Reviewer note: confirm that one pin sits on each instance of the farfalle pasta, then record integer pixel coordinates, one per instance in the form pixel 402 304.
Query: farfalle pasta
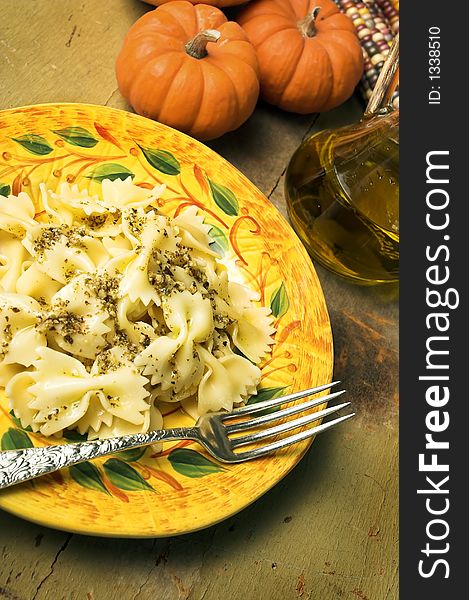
pixel 109 308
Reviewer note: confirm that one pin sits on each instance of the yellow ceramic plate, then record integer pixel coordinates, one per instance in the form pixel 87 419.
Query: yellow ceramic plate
pixel 181 489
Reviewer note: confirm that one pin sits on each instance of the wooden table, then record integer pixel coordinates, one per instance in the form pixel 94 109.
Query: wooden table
pixel 329 529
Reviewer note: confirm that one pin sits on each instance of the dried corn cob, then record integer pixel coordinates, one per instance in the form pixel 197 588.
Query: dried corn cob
pixel 376 22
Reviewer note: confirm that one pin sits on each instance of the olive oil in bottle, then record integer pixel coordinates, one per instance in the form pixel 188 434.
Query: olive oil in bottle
pixel 342 192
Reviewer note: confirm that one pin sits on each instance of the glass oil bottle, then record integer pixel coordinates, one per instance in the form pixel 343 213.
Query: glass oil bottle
pixel 342 190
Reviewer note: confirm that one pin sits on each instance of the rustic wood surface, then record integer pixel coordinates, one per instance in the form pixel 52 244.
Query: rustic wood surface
pixel 329 529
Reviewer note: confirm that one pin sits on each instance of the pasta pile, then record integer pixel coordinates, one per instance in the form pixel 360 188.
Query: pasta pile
pixel 108 309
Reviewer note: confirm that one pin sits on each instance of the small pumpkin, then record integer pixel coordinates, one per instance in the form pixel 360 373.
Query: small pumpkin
pixel 190 68
pixel 310 58
pixel 217 3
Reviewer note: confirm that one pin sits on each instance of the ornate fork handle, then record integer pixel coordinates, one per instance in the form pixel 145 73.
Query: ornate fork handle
pixel 21 465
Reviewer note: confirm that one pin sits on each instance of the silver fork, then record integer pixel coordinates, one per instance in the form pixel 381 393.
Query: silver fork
pixel 213 431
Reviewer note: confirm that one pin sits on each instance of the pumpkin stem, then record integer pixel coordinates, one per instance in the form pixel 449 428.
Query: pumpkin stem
pixel 197 46
pixel 307 25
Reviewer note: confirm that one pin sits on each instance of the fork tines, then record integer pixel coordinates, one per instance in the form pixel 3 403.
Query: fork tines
pixel 289 425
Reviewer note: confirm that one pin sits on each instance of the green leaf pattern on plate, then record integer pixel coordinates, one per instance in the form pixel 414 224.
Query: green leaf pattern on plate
pixel 224 198
pixel 267 393
pixel 125 477
pixel 279 302
pixel 191 463
pixel 15 439
pixel 5 189
pixel 110 171
pixel 17 422
pixel 132 455
pixel 220 243
pixel 35 144
pixel 73 436
pixel 162 160
pixel 77 136
pixel 88 476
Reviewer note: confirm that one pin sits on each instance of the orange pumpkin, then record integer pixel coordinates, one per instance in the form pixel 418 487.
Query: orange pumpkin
pixel 190 68
pixel 310 59
pixel 217 3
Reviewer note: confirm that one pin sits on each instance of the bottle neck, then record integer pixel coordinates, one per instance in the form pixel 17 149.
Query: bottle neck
pixel 381 98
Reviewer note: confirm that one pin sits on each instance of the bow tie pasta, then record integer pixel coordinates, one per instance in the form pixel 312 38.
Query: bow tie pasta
pixel 109 308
